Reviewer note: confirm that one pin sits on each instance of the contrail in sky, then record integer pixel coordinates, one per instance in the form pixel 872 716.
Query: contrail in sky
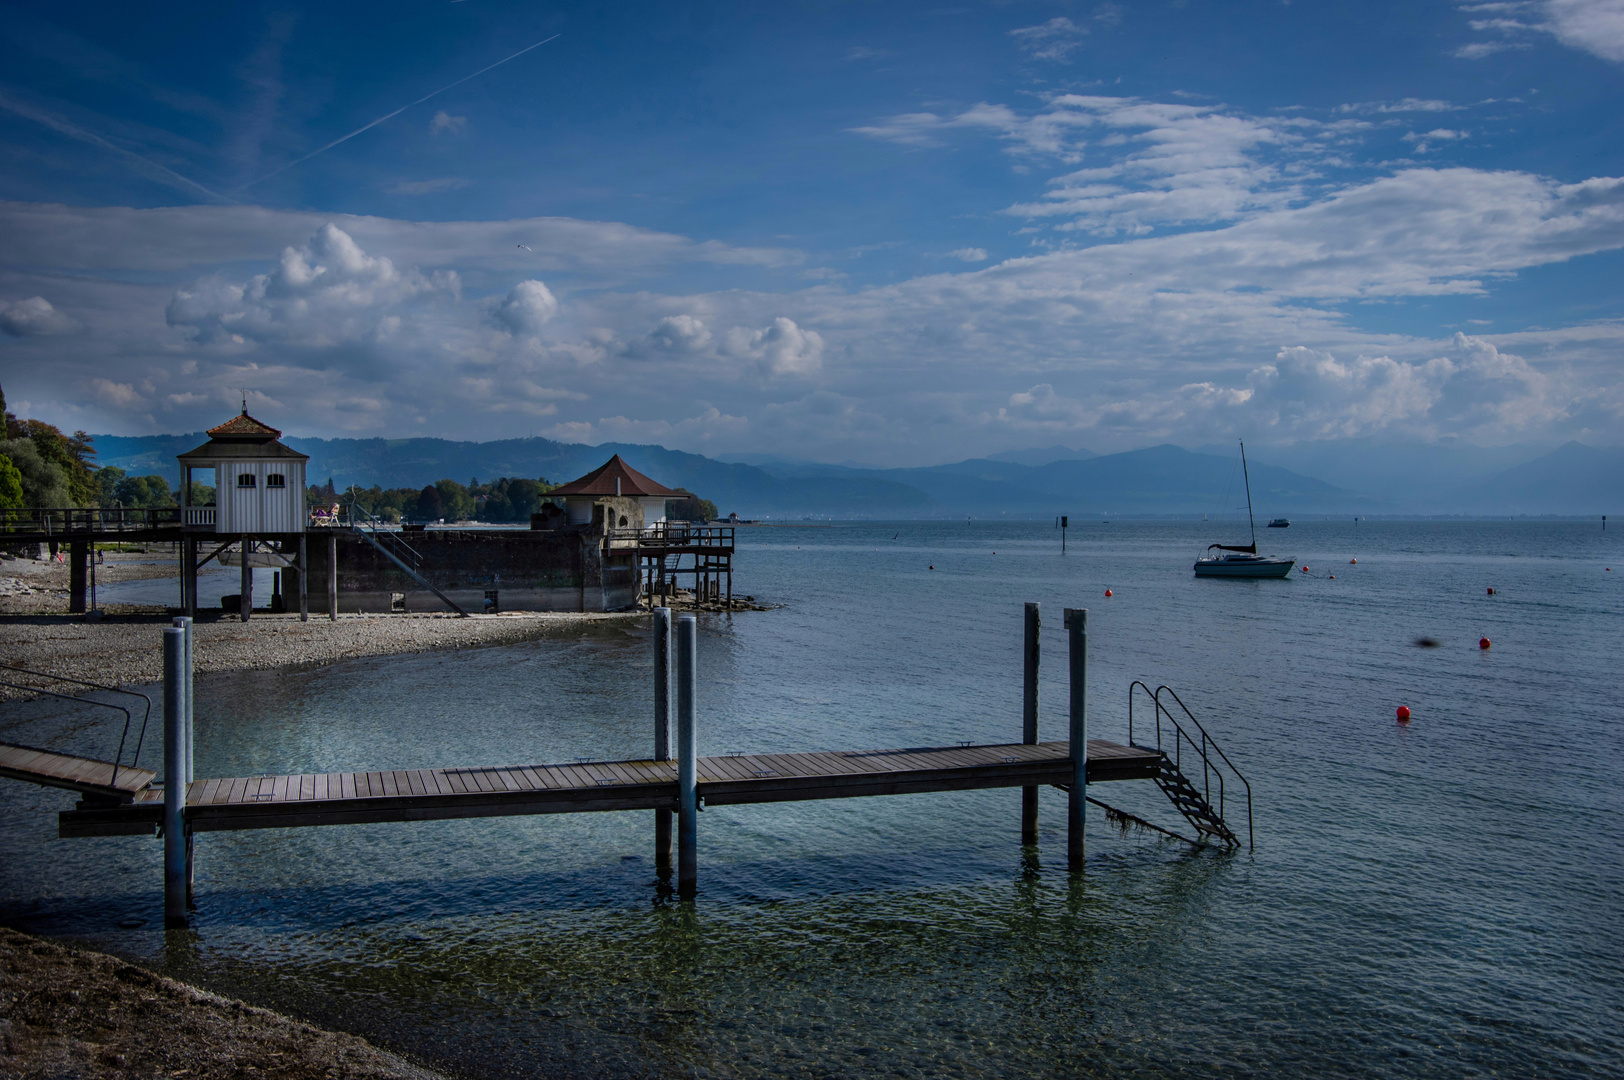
pixel 151 168
pixel 397 112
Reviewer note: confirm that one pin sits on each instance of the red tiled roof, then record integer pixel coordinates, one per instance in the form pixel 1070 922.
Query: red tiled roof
pixel 601 481
pixel 244 427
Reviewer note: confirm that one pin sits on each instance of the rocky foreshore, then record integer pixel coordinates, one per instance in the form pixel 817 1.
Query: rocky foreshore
pixel 70 1012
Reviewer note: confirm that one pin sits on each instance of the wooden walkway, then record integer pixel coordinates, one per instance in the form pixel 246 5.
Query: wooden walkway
pixel 274 802
pixel 86 775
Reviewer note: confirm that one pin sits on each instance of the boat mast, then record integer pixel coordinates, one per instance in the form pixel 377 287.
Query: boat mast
pixel 1248 480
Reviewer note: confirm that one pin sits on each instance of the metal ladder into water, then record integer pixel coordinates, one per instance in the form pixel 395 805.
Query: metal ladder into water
pixel 1200 806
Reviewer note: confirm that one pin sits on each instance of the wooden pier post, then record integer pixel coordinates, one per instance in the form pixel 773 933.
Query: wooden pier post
pixel 1029 722
pixel 246 599
pixel 304 580
pixel 1077 801
pixel 174 777
pixel 77 559
pixel 687 759
pixel 189 570
pixel 662 731
pixel 332 576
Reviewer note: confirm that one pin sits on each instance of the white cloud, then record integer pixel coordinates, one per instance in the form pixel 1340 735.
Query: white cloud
pixel 680 333
pixel 1596 26
pixel 710 425
pixel 325 292
pixel 780 349
pixel 1593 26
pixel 446 124
pixel 1480 50
pixel 1405 105
pixel 969 254
pixel 119 395
pixel 1053 40
pixel 33 317
pixel 529 306
pixel 429 187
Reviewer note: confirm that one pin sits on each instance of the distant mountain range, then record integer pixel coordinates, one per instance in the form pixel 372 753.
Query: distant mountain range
pixel 1359 478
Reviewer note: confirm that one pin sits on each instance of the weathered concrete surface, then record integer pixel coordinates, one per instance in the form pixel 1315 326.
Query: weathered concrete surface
pixel 561 569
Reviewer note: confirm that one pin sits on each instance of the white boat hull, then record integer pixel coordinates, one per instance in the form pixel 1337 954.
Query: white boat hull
pixel 1244 566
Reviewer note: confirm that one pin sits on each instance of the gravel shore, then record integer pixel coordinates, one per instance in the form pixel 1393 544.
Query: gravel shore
pixel 129 649
pixel 70 1012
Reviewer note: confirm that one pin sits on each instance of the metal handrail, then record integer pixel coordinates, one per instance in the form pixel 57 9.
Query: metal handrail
pixel 1206 762
pixel 52 520
pixel 140 739
pixel 88 701
pixel 393 538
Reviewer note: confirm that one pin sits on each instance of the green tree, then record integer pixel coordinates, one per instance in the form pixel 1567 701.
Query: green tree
pixel 71 454
pixel 691 508
pixel 43 481
pixel 11 486
pixel 143 492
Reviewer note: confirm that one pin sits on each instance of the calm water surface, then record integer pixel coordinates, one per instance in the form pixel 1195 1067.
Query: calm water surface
pixel 1437 900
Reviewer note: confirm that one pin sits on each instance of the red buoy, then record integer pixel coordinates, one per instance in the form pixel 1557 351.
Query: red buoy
pixel 1353 562
pixel 933 566
pixel 1491 590
pixel 1107 592
pixel 1404 714
pixel 1305 569
pixel 1333 577
pixel 1483 643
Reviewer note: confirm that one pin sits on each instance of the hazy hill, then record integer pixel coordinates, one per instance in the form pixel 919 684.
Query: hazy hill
pixel 1573 479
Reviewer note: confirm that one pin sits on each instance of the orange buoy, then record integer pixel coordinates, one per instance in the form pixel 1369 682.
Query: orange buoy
pixel 1353 562
pixel 1333 577
pixel 1404 714
pixel 1108 592
pixel 1491 590
pixel 1483 643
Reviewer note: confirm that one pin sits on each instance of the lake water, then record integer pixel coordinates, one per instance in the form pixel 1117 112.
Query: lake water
pixel 1442 899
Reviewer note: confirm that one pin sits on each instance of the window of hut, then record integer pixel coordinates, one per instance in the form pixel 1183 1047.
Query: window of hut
pixel 276 479
pixel 245 479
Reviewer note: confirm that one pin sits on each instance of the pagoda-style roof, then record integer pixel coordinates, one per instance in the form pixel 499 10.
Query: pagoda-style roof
pixel 601 482
pixel 242 437
pixel 244 427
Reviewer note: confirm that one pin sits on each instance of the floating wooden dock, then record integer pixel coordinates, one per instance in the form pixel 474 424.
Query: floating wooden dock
pixel 306 799
pixel 120 800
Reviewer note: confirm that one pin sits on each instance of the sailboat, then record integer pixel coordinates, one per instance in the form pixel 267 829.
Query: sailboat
pixel 1236 561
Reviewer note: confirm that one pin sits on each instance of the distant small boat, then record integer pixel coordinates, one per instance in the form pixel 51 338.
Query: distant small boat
pixel 1280 523
pixel 1244 562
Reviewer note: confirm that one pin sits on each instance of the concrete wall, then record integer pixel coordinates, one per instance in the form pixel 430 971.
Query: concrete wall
pixel 564 569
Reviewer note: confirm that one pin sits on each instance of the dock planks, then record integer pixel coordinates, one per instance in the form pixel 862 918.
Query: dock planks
pixel 86 775
pixel 275 802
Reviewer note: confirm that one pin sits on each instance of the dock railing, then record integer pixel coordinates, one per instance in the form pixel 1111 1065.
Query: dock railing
pixel 1214 762
pixel 97 520
pixel 124 735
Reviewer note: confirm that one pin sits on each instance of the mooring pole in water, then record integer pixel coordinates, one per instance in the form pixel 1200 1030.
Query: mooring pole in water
pixel 1077 800
pixel 174 777
pixel 687 759
pixel 1029 722
pixel 185 623
pixel 662 731
pixel 304 580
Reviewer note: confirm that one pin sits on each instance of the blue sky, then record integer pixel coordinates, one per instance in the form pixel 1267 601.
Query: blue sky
pixel 883 233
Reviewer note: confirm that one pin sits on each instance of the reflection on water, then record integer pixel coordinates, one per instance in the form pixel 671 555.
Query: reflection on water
pixel 1435 900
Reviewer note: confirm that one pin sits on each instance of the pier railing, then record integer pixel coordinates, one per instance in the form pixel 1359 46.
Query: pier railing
pixel 1173 736
pixel 676 534
pixel 55 521
pixel 124 734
